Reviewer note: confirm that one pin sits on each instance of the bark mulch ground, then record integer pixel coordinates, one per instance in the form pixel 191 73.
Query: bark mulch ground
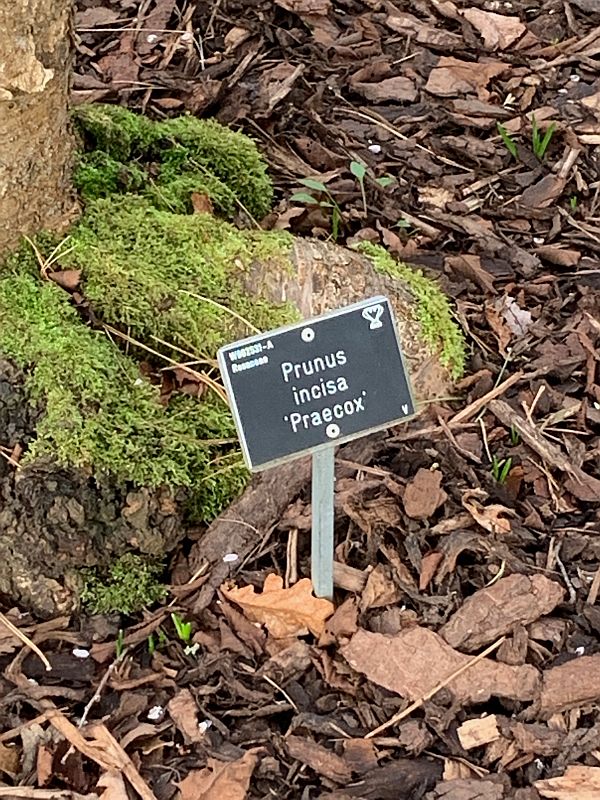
pixel 461 660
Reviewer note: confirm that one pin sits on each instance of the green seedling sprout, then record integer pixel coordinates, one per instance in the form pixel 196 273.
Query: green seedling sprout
pixel 184 629
pixel 359 171
pixel 384 181
pixel 573 202
pixel 509 142
pixel 309 199
pixel 540 143
pixel 501 468
pixel 515 438
pixel 120 644
pixel 151 644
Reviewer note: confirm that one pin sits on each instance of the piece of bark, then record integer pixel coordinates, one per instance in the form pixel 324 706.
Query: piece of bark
pixel 467 789
pixel 570 685
pixel 416 660
pixel 475 732
pixel 401 779
pixel 491 612
pixel 533 737
pixel 424 495
pixel 578 783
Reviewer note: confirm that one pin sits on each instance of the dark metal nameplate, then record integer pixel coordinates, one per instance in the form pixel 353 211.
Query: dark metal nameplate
pixel 319 382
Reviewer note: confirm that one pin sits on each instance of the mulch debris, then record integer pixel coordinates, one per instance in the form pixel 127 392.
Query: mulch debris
pixel 461 658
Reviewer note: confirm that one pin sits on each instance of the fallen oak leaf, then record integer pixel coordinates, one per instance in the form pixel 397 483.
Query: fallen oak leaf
pixel 492 518
pixel 284 612
pixel 220 780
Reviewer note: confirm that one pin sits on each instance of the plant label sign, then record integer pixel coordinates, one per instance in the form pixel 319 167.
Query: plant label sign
pixel 316 383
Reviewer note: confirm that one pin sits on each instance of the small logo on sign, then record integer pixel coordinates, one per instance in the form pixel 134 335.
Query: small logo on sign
pixel 373 316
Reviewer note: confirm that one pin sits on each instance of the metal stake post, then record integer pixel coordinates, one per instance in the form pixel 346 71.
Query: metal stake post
pixel 322 522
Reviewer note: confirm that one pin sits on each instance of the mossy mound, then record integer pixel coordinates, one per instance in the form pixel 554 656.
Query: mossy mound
pixel 168 161
pixel 172 283
pixel 432 307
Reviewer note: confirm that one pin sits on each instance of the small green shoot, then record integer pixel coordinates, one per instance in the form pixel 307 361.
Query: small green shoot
pixel 311 200
pixel 359 171
pixel 509 142
pixel 501 468
pixel 515 437
pixel 384 181
pixel 151 644
pixel 573 202
pixel 120 645
pixel 540 143
pixel 184 629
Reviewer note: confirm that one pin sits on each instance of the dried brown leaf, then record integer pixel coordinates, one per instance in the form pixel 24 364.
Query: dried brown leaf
pixel 284 612
pixel 424 495
pixel 415 660
pixel 497 31
pixel 201 203
pixel 318 758
pixel 492 518
pixel 113 785
pixel 493 611
pixel 467 789
pixel 578 783
pixel 452 77
pixel 380 590
pixel 68 279
pixel 470 267
pixel 220 780
pixel 429 564
pixel 306 7
pixel 394 89
pixel 9 760
pixel 570 685
pixel 183 711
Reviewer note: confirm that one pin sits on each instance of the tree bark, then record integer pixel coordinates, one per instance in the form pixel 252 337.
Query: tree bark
pixel 35 145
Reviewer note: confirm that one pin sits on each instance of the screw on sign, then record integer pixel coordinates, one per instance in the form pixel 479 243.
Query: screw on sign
pixel 308 387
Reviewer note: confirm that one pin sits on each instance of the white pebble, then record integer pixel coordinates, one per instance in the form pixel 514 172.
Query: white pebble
pixel 375 148
pixel 156 713
pixel 81 652
pixel 151 38
pixel 229 558
pixel 538 240
pixel 204 725
pixel 574 78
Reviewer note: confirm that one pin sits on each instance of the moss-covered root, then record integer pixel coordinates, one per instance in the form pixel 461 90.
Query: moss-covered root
pixel 433 310
pixel 168 161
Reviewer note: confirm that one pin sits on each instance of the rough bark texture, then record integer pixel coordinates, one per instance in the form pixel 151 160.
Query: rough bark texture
pixel 54 521
pixel 326 276
pixel 35 146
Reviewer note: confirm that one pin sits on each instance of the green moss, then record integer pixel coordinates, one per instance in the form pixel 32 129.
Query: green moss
pixel 167 161
pixel 160 275
pixel 433 310
pixel 138 266
pixel 131 584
